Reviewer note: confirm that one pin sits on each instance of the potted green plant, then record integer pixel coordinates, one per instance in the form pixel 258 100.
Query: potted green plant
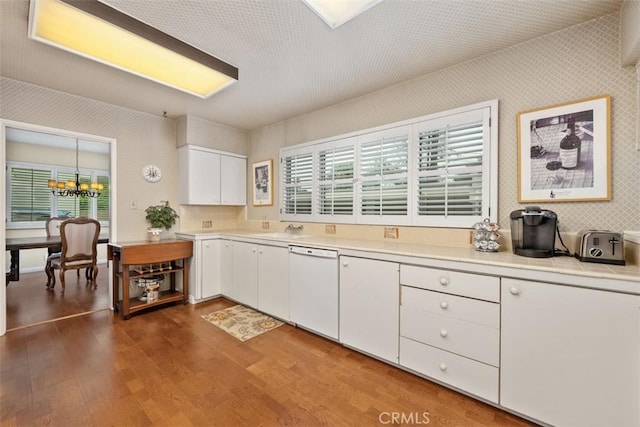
pixel 160 217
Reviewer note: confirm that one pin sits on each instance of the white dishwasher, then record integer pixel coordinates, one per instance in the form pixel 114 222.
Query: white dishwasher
pixel 313 275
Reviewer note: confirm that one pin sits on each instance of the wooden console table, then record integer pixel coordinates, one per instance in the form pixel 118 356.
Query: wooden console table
pixel 136 260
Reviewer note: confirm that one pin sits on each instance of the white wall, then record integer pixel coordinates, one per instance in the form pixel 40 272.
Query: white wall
pixel 630 32
pixel 196 131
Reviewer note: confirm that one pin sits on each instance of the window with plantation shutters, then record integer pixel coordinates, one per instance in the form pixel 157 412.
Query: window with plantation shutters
pixel 450 174
pixel 29 196
pixel 297 187
pixel 383 165
pixel 336 165
pixel 102 203
pixel 438 170
pixel 30 202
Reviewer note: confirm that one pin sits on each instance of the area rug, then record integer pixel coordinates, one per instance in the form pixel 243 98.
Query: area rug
pixel 241 322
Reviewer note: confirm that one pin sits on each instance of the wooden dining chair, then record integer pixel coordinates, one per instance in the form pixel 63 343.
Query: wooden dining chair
pixel 79 249
pixel 52 227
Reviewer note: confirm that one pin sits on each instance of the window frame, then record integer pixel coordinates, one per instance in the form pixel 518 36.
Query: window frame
pixel 53 210
pixel 489 110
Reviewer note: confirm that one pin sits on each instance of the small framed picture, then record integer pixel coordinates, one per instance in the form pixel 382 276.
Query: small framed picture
pixel 263 183
pixel 564 152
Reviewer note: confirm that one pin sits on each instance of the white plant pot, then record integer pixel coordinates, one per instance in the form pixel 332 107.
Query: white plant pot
pixel 154 234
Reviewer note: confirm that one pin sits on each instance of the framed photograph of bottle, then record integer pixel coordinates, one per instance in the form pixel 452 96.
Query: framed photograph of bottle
pixel 564 152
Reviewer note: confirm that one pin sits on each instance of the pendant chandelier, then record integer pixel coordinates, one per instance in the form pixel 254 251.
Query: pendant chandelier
pixel 75 188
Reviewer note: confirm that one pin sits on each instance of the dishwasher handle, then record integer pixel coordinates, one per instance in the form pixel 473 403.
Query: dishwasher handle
pixel 316 252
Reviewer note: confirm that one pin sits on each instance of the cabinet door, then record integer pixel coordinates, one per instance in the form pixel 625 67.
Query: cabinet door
pixel 199 176
pixel 273 281
pixel 570 356
pixel 210 268
pixel 226 268
pixel 233 186
pixel 369 306
pixel 245 273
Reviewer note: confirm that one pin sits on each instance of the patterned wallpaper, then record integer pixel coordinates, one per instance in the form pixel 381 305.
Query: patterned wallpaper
pixel 141 139
pixel 576 63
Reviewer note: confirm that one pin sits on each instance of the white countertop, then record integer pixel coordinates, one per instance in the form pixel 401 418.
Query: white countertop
pixel 501 259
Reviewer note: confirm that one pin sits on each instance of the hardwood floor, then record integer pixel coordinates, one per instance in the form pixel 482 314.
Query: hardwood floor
pixel 170 367
pixel 29 302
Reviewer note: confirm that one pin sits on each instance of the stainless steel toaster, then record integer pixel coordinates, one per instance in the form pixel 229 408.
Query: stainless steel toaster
pixel 600 246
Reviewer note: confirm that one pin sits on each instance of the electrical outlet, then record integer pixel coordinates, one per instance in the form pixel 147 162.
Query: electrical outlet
pixel 391 233
pixel 207 224
pixel 330 229
pixel 265 225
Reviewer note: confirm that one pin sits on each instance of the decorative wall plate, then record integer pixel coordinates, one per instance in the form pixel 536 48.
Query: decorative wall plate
pixel 151 173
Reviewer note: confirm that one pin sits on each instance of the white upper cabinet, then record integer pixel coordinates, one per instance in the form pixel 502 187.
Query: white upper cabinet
pixel 233 177
pixel 210 177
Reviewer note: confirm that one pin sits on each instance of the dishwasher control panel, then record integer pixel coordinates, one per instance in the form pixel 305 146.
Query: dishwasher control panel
pixel 304 250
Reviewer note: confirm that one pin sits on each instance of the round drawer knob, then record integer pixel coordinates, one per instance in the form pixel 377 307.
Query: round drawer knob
pixel 444 305
pixel 443 333
pixel 514 290
pixel 443 367
pixel 444 281
pixel 345 264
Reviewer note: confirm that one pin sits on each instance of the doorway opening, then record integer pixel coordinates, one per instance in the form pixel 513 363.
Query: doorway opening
pixel 28 147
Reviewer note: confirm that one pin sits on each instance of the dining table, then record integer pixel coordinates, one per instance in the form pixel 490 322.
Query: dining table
pixel 16 244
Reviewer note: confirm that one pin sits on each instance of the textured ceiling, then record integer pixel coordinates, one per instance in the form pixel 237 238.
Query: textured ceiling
pixel 290 62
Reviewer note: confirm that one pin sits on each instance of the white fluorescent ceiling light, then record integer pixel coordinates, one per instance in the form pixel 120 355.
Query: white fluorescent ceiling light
pixel 337 12
pixel 94 30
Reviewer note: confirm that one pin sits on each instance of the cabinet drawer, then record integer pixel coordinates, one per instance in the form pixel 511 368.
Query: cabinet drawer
pixel 472 310
pixel 467 339
pixel 452 282
pixel 457 371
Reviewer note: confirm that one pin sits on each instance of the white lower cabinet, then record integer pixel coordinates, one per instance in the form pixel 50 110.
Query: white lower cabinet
pixel 459 325
pixel 245 273
pixel 204 270
pixel 273 281
pixel 369 305
pixel 570 356
pixel 226 267
pixel 461 372
pixel 210 281
pixel 450 328
pixel 261 278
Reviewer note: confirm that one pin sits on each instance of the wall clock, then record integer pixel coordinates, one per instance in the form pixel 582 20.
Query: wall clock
pixel 151 173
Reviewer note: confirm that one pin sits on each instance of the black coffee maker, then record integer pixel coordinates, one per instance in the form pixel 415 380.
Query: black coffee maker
pixel 533 232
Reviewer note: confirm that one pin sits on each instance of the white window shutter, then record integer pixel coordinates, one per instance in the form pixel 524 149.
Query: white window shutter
pixel 297 184
pixel 383 164
pixel 450 178
pixel 336 175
